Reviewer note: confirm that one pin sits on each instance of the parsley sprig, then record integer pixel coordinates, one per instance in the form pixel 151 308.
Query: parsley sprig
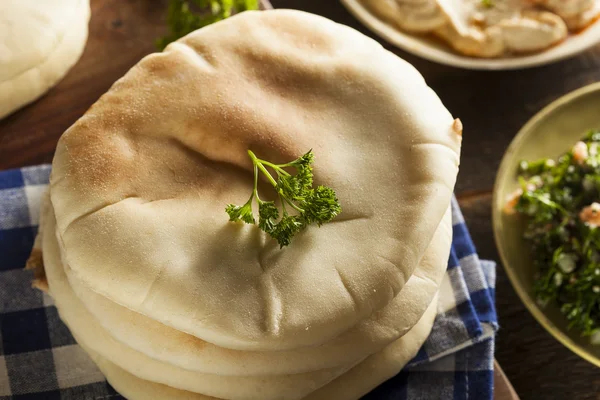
pixel 185 16
pixel 301 204
pixel 565 249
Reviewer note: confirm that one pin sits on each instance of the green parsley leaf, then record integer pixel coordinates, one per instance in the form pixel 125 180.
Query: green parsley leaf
pixel 268 216
pixel 240 213
pixel 185 16
pixel 320 205
pixel 285 230
pixel 307 205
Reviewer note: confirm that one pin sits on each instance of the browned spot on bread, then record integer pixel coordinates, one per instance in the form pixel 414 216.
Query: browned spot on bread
pixel 457 127
pixel 35 262
pixel 40 284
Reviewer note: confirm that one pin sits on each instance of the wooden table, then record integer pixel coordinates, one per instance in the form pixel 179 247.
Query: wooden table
pixel 492 106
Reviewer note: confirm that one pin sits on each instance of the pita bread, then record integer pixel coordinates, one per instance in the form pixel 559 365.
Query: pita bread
pixel 397 355
pixel 39 42
pixel 369 336
pixel 380 366
pixel 140 182
pixel 88 332
pixel 134 388
pixel 356 383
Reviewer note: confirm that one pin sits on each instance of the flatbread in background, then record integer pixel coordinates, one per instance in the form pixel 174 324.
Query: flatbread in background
pixel 39 42
pixel 140 182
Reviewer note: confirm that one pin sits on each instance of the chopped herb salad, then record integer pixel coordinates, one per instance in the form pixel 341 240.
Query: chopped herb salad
pixel 561 200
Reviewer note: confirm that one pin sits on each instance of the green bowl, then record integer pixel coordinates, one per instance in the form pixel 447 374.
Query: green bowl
pixel 550 133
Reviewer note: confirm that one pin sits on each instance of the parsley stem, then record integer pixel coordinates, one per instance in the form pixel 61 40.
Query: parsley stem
pixel 268 175
pixel 281 198
pixel 255 192
pixel 319 205
pixel 295 207
pixel 276 167
pixel 258 163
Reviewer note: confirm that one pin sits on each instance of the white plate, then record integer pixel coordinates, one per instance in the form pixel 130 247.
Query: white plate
pixel 435 50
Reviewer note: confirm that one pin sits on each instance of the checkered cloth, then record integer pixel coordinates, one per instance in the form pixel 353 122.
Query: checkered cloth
pixel 39 358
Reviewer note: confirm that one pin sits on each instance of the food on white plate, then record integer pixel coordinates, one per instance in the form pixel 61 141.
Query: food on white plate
pixel 561 202
pixel 577 14
pixel 490 28
pixel 39 43
pixel 419 16
pixel 184 245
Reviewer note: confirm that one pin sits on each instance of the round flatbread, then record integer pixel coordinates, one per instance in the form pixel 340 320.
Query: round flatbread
pixel 139 183
pixel 367 337
pixel 87 331
pixel 350 386
pixel 134 388
pixel 39 42
pixel 380 366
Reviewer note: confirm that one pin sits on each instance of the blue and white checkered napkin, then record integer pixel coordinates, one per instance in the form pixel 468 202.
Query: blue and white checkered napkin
pixel 40 360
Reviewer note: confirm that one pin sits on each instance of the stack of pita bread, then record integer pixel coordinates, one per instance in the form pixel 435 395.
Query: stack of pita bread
pixel 39 42
pixel 170 299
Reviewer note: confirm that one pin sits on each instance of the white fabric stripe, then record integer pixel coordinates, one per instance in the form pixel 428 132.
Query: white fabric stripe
pixel 444 364
pixel 488 332
pixel 489 270
pixel 459 286
pixel 48 301
pixel 457 217
pixel 13 210
pixel 473 275
pixel 34 195
pixel 36 175
pixel 74 367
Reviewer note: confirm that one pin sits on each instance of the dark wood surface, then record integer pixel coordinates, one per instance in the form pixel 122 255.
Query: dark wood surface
pixel 492 106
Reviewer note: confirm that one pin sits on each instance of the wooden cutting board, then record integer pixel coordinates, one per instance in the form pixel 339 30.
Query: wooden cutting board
pixel 503 389
pixel 121 33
